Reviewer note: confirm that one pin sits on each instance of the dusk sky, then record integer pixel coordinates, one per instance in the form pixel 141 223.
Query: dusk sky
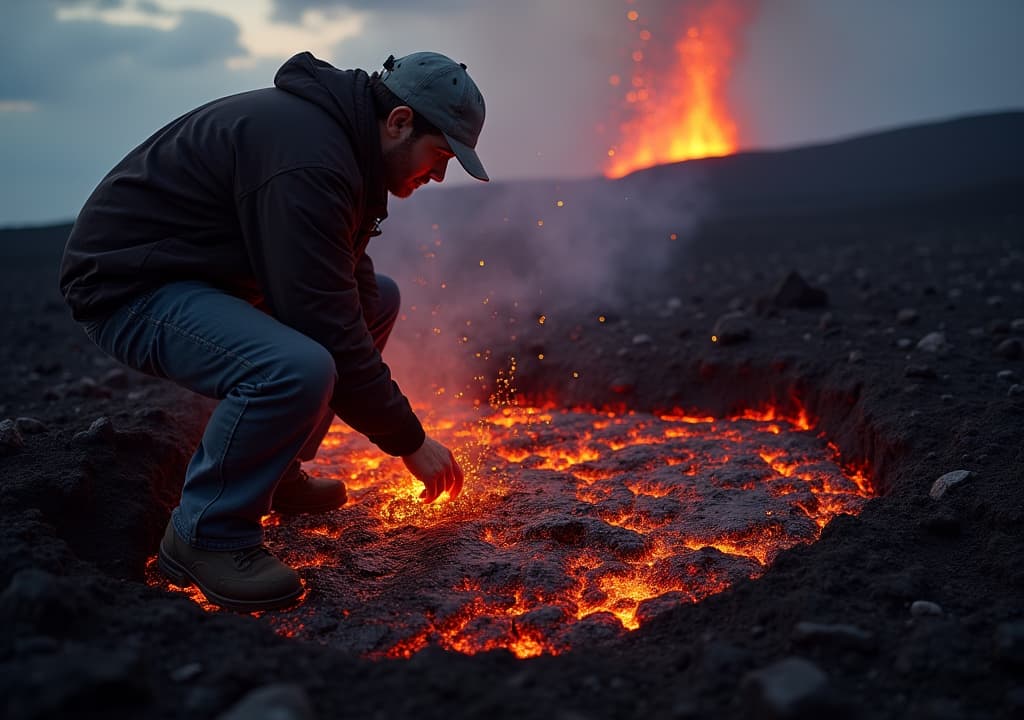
pixel 84 81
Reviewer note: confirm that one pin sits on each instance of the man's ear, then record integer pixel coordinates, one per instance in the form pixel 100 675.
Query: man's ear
pixel 398 126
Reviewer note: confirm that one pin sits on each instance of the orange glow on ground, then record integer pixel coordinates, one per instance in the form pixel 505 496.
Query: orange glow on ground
pixel 598 519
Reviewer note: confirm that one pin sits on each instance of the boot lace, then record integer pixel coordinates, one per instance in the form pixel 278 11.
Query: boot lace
pixel 245 558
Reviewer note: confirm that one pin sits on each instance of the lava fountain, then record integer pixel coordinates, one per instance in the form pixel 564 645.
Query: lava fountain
pixel 575 525
pixel 677 111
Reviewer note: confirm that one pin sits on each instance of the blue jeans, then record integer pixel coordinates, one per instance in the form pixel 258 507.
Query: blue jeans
pixel 274 385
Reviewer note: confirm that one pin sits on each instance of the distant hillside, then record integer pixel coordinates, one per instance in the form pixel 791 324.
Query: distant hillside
pixel 26 247
pixel 882 168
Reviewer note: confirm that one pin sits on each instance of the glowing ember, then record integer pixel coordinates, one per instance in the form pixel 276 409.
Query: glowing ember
pixel 574 525
pixel 678 112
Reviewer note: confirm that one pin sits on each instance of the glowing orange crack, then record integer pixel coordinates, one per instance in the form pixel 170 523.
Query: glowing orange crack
pixel 496 447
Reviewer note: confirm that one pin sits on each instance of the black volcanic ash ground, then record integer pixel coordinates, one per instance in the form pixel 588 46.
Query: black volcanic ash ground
pixel 83 508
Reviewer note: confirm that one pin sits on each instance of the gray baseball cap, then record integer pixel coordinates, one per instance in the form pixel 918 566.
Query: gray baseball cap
pixel 440 89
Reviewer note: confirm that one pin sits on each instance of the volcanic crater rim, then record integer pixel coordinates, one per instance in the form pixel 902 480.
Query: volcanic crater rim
pixel 791 395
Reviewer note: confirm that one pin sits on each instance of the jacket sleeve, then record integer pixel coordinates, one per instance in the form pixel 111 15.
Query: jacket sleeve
pixel 366 277
pixel 299 229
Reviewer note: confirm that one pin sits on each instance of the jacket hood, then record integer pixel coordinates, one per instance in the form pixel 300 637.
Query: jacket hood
pixel 345 95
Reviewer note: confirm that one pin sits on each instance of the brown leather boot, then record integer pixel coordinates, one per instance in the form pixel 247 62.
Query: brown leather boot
pixel 299 492
pixel 245 580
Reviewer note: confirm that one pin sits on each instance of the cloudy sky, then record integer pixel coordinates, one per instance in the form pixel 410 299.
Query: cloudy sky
pixel 83 81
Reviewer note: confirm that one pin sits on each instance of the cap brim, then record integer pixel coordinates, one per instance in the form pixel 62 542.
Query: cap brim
pixel 467 158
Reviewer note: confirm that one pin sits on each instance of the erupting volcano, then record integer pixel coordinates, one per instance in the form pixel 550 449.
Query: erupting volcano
pixel 574 526
pixel 676 108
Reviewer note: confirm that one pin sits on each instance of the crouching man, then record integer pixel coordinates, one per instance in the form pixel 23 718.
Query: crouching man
pixel 227 253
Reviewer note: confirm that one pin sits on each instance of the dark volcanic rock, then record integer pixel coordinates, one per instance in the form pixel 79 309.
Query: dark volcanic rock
pixel 947 482
pixel 1011 349
pixel 907 316
pixel 589 532
pixel 933 342
pixel 836 636
pixel 795 292
pixel 29 426
pixel 101 432
pixel 925 608
pixel 11 440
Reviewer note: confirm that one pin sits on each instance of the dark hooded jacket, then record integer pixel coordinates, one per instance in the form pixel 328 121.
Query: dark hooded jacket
pixel 271 195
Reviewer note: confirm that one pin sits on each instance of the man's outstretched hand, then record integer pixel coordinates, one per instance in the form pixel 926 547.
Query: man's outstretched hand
pixel 435 466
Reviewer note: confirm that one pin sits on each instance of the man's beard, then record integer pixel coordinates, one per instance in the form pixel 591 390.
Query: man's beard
pixel 397 162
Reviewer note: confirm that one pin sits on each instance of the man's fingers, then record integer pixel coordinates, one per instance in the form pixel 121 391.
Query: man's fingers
pixel 435 486
pixel 446 476
pixel 456 488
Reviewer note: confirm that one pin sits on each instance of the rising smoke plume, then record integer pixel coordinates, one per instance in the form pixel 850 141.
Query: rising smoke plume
pixel 478 265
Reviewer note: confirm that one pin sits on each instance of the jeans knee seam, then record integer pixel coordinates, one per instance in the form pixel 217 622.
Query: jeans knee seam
pixel 222 455
pixel 157 322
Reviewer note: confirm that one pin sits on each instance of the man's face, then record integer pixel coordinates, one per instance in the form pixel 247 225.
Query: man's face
pixel 414 162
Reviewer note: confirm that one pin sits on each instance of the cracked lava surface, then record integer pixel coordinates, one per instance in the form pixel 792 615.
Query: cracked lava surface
pixel 574 526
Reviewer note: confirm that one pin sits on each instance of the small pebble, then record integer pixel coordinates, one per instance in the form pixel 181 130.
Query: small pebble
pixel 948 481
pixel 907 316
pixel 856 357
pixel 904 344
pixel 1007 376
pixel 29 426
pixel 642 339
pixel 924 608
pixel 1010 349
pixel 187 672
pixel 10 439
pixel 932 342
pixel 1015 390
pixel 101 431
pixel 837 634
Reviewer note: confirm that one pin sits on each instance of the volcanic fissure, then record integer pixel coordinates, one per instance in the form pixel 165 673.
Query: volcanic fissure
pixel 577 525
